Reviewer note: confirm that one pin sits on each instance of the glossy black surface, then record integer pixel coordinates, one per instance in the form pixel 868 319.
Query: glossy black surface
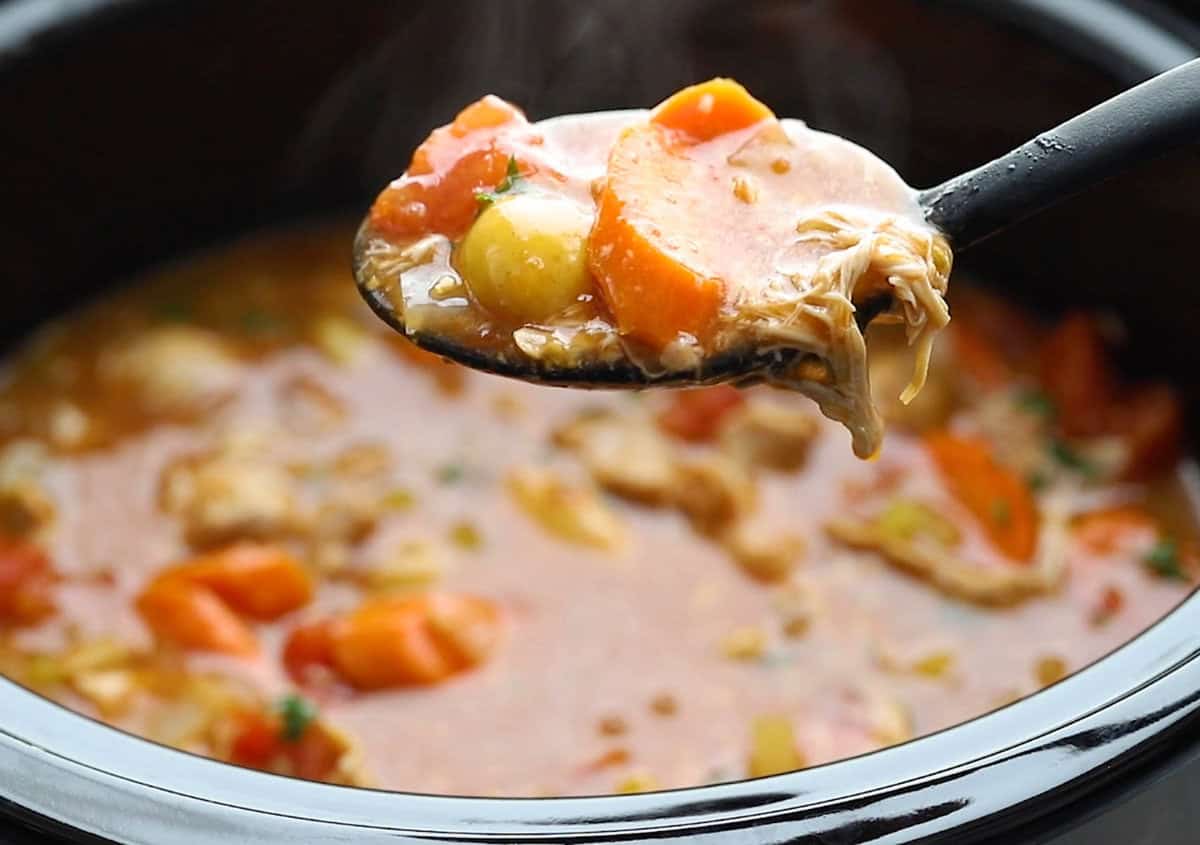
pixel 135 130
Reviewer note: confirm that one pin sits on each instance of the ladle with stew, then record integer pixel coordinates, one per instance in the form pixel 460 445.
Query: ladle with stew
pixel 706 240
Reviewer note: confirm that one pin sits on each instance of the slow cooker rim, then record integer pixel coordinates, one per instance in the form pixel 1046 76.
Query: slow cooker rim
pixel 153 785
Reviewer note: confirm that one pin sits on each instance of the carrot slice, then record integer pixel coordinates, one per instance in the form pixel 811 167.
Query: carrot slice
pixel 995 496
pixel 395 642
pixel 437 192
pixel 697 415
pixel 256 742
pixel 702 112
pixel 668 209
pixel 193 617
pixel 654 291
pixel 257 580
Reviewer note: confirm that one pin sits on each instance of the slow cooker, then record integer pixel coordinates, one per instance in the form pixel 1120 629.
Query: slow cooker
pixel 134 130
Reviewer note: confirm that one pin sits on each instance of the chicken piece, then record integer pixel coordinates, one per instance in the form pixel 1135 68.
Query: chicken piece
pixel 571 512
pixel 174 370
pixel 945 571
pixel 222 498
pixel 767 557
pixel 714 492
pixel 627 456
pixel 769 434
pixel 890 373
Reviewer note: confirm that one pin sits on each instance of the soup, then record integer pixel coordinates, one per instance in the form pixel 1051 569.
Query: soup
pixel 243 518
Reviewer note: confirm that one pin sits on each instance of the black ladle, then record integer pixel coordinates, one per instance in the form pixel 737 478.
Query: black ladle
pixel 1141 123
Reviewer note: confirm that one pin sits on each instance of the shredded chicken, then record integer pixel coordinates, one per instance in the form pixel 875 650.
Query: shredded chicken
pixel 816 311
pixel 938 564
pixel 174 370
pixel 572 512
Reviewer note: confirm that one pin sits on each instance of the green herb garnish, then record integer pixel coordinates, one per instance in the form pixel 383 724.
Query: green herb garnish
pixel 1037 481
pixel 451 473
pixel 1001 511
pixel 1071 459
pixel 511 183
pixel 1164 560
pixel 296 713
pixel 1038 402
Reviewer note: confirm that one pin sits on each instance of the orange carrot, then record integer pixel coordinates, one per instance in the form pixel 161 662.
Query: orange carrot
pixel 393 642
pixel 651 248
pixel 653 291
pixel 995 496
pixel 255 740
pixel 437 192
pixel 257 580
pixel 702 112
pixel 26 580
pixel 193 617
pixel 697 415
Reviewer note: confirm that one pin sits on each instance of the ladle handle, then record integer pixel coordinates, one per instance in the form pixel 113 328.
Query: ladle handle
pixel 1138 124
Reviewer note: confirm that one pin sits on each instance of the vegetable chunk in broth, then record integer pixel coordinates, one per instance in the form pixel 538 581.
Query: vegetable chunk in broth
pixel 676 243
pixel 241 517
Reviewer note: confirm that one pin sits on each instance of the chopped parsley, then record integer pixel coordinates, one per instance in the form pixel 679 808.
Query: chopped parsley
pixel 1037 481
pixel 1037 402
pixel 296 713
pixel 1001 511
pixel 1066 455
pixel 511 183
pixel 451 473
pixel 1164 560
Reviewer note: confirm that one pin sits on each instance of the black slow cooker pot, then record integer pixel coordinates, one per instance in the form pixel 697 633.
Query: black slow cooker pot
pixel 135 130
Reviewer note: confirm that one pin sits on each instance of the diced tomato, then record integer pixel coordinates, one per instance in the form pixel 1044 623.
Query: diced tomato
pixel 698 414
pixel 308 646
pixel 256 740
pixel 26 583
pixel 1076 373
pixel 998 498
pixel 438 191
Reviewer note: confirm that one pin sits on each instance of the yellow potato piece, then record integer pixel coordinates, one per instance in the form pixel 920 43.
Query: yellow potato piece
pixel 525 257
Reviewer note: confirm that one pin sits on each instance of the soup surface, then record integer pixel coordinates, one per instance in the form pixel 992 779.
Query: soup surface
pixel 241 517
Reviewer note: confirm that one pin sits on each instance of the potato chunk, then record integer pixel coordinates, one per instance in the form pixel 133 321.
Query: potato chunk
pixel 525 257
